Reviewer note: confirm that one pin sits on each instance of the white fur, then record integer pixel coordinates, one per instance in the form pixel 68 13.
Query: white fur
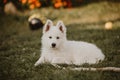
pixel 65 51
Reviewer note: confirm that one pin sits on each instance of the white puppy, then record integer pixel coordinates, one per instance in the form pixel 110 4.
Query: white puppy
pixel 56 49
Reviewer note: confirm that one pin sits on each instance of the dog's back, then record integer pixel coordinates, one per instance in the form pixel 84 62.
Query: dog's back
pixel 84 52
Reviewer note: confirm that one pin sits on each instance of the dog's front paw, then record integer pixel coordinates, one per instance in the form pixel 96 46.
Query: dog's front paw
pixel 40 61
pixel 36 64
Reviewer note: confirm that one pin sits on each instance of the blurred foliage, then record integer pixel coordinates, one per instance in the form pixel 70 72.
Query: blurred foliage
pixel 32 4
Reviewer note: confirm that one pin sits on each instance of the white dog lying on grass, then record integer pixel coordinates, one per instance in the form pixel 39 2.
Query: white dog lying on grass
pixel 56 49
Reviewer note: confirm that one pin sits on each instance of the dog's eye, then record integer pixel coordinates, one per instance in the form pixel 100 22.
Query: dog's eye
pixel 50 37
pixel 57 37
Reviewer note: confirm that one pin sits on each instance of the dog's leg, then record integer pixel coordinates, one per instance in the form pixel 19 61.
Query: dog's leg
pixel 56 66
pixel 40 61
pixel 58 60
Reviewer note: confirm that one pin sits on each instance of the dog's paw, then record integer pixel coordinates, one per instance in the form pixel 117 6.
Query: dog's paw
pixel 36 64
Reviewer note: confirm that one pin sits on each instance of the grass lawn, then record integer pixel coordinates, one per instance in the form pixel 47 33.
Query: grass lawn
pixel 20 47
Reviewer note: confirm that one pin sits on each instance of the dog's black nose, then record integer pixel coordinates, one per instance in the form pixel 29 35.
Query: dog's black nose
pixel 53 45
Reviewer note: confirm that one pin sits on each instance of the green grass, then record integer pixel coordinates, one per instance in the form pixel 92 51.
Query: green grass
pixel 20 47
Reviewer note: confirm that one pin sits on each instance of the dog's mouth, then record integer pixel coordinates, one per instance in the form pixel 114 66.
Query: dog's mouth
pixel 54 48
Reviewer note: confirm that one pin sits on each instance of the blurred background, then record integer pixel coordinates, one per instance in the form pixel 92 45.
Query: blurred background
pixel 21 22
pixel 82 11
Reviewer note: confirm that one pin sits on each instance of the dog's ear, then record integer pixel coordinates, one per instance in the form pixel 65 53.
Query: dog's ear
pixel 61 26
pixel 47 26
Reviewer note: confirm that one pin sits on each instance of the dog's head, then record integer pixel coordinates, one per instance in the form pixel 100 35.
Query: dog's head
pixel 53 36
